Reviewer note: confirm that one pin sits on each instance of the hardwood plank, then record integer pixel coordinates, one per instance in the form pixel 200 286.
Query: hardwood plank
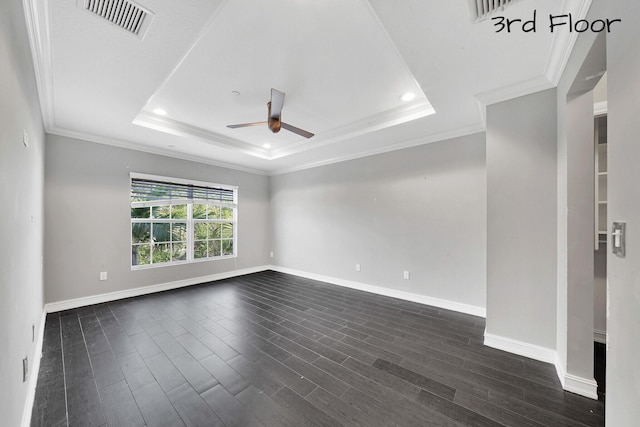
pixel 256 375
pixel 106 369
pixel 199 378
pixel 278 350
pixel 287 398
pixel 319 377
pixel 420 381
pixel 266 410
pixel 229 409
pixel 135 371
pixel 83 403
pixel 120 408
pixel 165 373
pixel 156 408
pixel 455 411
pixel 192 409
pixel 225 374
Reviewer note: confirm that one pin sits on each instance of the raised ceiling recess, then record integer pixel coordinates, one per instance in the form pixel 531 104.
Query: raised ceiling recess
pixel 345 67
pixel 341 72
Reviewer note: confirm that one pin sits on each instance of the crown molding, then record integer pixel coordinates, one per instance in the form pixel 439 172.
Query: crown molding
pixel 443 136
pixel 395 116
pixel 151 150
pixel 392 117
pixel 38 28
pixel 184 130
pixel 561 48
pixel 564 41
pixel 515 90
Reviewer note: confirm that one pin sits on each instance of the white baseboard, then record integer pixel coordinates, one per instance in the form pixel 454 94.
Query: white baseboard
pixel 600 336
pixel 586 387
pixel 521 348
pixel 53 307
pixel 407 296
pixel 33 376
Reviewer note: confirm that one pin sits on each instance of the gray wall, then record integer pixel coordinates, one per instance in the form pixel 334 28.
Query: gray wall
pixel 21 193
pixel 575 210
pixel 579 207
pixel 623 64
pixel 87 227
pixel 580 234
pixel 521 219
pixel 421 209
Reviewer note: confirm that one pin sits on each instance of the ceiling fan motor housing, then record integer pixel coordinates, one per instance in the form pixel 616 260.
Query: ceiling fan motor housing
pixel 274 122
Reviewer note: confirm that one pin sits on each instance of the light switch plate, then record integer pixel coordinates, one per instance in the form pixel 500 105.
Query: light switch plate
pixel 618 237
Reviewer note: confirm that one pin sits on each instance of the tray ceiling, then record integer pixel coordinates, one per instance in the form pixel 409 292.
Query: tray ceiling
pixel 344 67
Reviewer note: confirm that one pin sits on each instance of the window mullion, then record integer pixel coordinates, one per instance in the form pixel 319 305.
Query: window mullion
pixel 190 232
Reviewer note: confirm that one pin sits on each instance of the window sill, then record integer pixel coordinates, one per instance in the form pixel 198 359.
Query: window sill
pixel 175 263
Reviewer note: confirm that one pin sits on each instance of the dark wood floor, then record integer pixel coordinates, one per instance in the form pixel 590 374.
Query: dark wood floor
pixel 277 350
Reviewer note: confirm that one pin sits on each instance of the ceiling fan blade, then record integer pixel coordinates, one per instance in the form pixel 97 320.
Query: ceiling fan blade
pixel 294 129
pixel 246 125
pixel 277 101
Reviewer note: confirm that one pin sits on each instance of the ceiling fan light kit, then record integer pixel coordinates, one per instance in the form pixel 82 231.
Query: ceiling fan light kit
pixel 274 117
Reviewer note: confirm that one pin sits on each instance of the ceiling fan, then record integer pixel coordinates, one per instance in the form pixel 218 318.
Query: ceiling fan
pixel 274 117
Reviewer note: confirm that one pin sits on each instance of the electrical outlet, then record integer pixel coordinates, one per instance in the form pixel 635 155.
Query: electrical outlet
pixel 33 333
pixel 271 254
pixel 357 267
pixel 406 275
pixel 25 369
pixel 103 275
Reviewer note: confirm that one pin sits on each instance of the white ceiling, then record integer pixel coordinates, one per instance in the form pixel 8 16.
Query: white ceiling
pixel 342 64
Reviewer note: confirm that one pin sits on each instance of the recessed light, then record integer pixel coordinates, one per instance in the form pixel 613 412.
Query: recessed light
pixel 235 92
pixel 408 96
pixel 266 145
pixel 160 111
pixel 171 146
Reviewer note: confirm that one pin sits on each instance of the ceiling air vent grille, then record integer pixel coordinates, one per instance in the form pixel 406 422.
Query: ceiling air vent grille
pixel 481 9
pixel 122 13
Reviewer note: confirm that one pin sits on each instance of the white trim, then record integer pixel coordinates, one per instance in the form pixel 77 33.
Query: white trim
pixel 600 108
pixel 521 348
pixel 600 336
pixel 515 90
pixel 560 372
pixel 33 376
pixel 393 293
pixel 586 387
pixel 564 41
pixel 129 145
pixel 456 133
pixel 53 307
pixel 37 16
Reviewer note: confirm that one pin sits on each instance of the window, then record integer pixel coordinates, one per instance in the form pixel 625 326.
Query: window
pixel 176 221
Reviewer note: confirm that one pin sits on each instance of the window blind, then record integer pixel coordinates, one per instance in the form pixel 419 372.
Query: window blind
pixel 146 190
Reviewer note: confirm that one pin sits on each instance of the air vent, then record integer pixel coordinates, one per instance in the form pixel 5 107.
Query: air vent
pixel 481 9
pixel 121 13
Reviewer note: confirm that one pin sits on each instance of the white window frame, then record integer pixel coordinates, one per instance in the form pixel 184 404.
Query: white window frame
pixel 190 221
